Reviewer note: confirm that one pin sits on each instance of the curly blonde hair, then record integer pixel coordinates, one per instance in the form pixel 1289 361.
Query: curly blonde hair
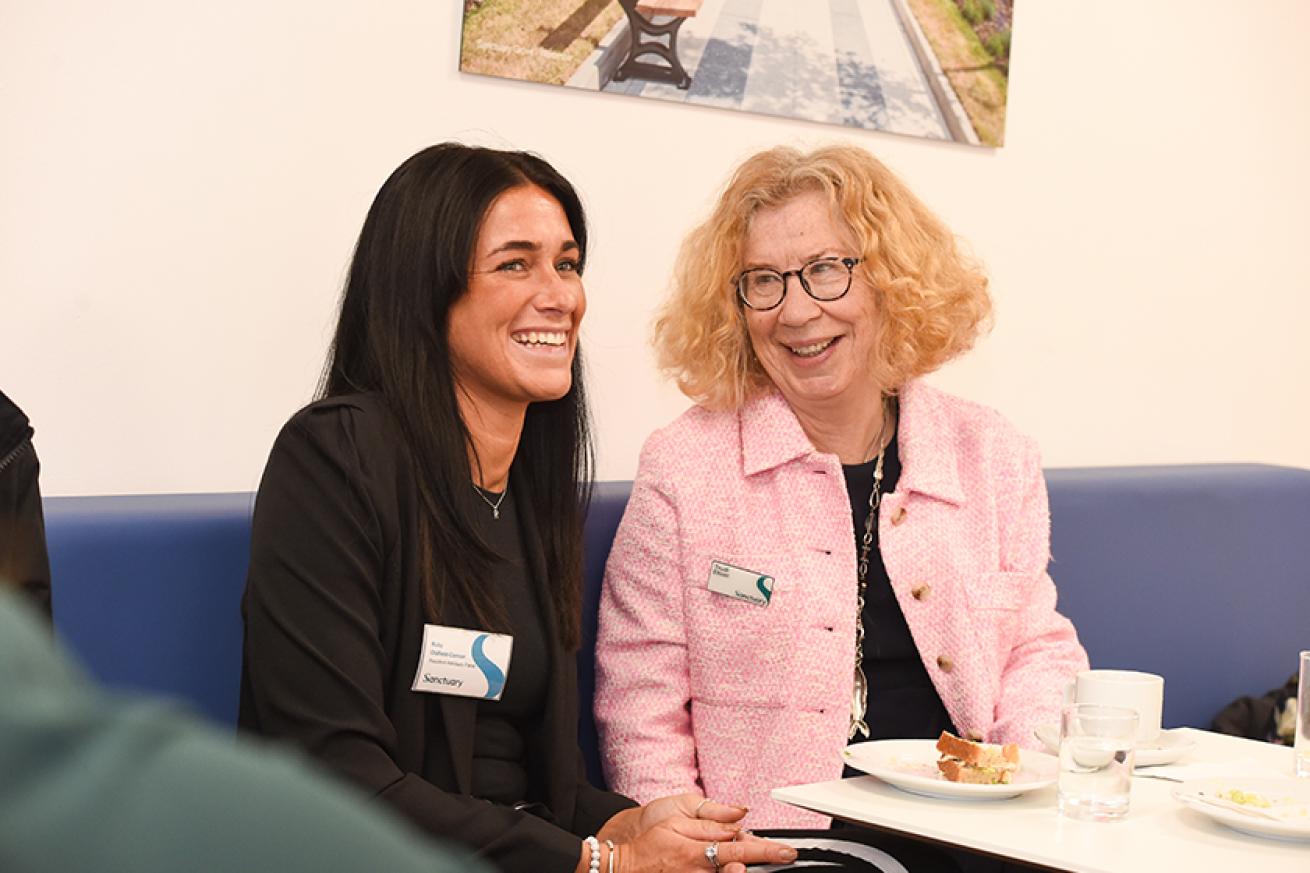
pixel 933 300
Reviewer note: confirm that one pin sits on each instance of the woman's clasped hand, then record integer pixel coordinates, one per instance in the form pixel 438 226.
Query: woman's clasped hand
pixel 685 832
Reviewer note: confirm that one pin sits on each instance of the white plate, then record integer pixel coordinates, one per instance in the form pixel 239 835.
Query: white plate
pixel 1167 748
pixel 911 765
pixel 1291 795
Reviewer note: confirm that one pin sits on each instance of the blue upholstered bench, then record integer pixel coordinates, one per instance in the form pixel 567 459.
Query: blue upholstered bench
pixel 1199 573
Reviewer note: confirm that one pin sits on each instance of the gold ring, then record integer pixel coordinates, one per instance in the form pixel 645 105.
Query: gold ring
pixel 704 801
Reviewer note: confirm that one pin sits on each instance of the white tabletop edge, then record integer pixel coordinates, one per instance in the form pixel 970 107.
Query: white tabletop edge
pixel 848 799
pixel 1158 833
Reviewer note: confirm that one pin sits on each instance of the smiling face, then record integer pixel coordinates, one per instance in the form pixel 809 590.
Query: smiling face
pixel 817 353
pixel 513 334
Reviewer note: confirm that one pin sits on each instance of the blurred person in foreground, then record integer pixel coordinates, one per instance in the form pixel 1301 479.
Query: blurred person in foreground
pixel 92 782
pixel 824 549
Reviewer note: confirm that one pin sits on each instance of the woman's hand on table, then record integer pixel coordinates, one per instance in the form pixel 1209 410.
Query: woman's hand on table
pixel 632 823
pixel 672 834
pixel 679 843
pixel 689 806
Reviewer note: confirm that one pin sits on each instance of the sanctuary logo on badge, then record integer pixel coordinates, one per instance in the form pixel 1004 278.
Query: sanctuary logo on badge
pixel 468 663
pixel 740 584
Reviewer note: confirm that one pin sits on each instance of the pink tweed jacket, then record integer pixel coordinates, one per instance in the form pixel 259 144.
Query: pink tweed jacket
pixel 698 692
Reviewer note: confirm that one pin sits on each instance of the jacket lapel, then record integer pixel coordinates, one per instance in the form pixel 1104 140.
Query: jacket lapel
pixel 770 434
pixel 930 462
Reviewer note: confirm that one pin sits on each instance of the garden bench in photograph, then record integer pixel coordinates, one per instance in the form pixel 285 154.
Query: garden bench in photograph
pixel 646 39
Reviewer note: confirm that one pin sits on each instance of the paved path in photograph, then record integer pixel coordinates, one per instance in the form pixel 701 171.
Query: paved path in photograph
pixel 836 61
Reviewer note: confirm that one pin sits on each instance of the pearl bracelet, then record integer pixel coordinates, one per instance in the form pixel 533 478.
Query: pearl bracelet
pixel 593 846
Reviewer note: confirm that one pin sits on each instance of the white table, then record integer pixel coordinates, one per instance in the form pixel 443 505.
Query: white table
pixel 1159 834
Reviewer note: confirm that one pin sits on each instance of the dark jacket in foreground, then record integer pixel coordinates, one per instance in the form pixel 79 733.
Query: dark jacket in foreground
pixel 334 625
pixel 23 560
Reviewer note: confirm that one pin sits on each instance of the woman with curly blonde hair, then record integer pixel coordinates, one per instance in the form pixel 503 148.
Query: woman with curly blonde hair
pixel 746 636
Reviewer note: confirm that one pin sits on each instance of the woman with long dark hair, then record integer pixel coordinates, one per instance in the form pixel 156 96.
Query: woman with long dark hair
pixel 413 600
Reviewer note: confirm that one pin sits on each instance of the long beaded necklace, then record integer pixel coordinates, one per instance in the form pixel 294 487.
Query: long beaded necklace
pixel 860 691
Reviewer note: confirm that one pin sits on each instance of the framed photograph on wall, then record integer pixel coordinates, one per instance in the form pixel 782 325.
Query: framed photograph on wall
pixel 929 68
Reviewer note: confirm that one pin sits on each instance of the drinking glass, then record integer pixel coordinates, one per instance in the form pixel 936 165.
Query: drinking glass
pixel 1097 747
pixel 1302 743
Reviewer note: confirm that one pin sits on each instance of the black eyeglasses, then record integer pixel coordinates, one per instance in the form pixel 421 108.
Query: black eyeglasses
pixel 824 279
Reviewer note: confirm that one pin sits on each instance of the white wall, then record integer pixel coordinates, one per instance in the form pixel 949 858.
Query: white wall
pixel 180 186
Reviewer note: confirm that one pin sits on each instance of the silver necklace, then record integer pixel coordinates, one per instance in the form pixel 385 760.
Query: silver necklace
pixel 860 691
pixel 495 507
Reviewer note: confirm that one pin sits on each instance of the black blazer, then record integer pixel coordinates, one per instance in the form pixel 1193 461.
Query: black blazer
pixel 334 628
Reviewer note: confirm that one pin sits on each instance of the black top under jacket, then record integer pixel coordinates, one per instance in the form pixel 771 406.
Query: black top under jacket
pixel 500 738
pixel 334 626
pixel 903 703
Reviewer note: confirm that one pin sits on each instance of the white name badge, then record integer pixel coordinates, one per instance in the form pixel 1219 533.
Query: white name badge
pixel 740 584
pixel 468 663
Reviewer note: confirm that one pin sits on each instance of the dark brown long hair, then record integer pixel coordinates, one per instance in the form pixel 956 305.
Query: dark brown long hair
pixel 411 264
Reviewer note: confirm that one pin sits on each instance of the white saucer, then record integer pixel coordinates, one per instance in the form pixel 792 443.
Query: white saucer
pixel 911 765
pixel 1166 749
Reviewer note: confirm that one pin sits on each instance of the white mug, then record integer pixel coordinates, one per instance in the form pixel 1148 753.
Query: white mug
pixel 1143 692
